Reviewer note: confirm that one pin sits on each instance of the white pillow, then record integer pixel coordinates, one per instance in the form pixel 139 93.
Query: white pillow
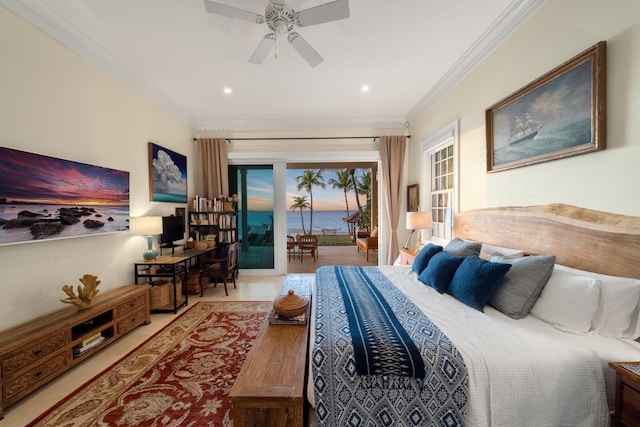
pixel 619 299
pixel 487 250
pixel 568 301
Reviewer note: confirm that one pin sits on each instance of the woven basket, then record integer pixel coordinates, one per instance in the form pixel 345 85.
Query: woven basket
pixel 204 281
pixel 160 295
pixel 200 245
pixel 290 305
pixel 194 284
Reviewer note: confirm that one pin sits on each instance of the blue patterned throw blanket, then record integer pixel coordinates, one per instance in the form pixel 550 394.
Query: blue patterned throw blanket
pixel 377 359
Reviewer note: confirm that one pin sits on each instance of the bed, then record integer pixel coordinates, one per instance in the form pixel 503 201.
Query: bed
pixel 427 357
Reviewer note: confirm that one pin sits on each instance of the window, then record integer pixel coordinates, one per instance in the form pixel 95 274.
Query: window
pixel 440 178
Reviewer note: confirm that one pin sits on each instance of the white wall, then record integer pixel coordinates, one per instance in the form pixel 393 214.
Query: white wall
pixel 55 103
pixel 605 180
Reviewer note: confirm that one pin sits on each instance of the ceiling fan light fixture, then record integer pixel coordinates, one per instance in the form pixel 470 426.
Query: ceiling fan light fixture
pixel 279 18
pixel 282 19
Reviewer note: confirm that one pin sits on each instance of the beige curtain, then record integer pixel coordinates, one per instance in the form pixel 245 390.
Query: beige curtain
pixel 392 149
pixel 212 179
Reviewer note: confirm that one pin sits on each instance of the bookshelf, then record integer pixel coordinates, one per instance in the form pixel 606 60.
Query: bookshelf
pixel 213 219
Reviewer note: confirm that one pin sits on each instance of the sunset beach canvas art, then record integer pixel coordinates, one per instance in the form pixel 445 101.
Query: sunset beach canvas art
pixel 44 197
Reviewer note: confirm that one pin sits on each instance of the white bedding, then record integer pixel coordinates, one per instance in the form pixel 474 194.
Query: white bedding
pixel 521 372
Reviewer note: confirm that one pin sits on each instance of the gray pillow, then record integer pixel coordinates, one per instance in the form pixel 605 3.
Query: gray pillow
pixel 522 284
pixel 463 248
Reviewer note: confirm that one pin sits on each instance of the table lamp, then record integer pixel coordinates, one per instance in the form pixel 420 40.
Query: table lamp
pixel 417 220
pixel 148 226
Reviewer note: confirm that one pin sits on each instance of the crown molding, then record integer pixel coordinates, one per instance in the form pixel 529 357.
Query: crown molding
pixel 39 14
pixel 501 29
pixel 302 123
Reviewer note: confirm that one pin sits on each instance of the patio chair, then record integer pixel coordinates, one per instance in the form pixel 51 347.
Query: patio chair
pixel 308 243
pixel 367 241
pixel 291 247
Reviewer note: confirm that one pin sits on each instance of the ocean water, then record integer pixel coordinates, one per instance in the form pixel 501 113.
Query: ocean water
pixel 260 221
pixel 119 214
pixel 546 143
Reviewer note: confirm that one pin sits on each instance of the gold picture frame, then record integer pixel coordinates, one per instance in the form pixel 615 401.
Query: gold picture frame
pixel 560 114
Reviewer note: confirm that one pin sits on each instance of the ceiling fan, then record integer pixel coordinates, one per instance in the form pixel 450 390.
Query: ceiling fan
pixel 281 19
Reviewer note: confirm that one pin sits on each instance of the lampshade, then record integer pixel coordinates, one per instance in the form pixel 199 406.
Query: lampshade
pixel 418 220
pixel 147 225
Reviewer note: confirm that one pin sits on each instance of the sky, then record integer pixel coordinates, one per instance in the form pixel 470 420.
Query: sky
pixel 33 178
pixel 260 191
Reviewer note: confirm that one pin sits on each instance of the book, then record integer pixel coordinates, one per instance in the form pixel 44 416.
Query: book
pixel 92 338
pixel 276 319
pixel 81 349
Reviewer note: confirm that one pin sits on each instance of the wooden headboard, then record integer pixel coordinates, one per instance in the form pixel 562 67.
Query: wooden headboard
pixel 581 238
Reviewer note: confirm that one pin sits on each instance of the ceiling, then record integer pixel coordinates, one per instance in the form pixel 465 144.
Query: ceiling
pixel 409 53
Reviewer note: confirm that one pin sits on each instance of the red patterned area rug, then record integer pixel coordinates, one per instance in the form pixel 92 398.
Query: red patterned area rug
pixel 181 376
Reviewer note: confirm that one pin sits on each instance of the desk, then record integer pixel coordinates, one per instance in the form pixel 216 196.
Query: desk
pixel 173 267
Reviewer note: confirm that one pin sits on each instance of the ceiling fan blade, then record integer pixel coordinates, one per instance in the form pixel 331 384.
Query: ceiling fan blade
pixel 263 49
pixel 277 2
pixel 327 12
pixel 304 49
pixel 232 12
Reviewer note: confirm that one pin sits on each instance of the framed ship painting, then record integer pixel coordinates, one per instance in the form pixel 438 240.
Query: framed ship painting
pixel 167 175
pixel 561 114
pixel 44 198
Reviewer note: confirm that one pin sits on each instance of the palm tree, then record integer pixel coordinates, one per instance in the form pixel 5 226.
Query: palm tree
pixel 343 182
pixel 364 183
pixel 352 172
pixel 364 187
pixel 300 202
pixel 307 181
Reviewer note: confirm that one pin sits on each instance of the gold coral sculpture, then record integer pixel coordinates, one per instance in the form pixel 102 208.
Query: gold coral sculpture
pixel 86 293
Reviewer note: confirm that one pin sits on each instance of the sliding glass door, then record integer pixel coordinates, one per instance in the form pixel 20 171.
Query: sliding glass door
pixel 254 184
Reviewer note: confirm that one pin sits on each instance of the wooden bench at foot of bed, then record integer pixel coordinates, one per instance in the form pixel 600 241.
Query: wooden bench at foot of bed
pixel 270 389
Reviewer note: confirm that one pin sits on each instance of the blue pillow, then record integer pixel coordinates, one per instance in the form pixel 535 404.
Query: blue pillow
pixel 440 270
pixel 422 258
pixel 476 281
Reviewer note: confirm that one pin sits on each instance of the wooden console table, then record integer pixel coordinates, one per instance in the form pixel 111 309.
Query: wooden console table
pixel 269 391
pixel 35 352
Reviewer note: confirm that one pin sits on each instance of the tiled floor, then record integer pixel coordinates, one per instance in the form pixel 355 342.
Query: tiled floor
pixel 249 288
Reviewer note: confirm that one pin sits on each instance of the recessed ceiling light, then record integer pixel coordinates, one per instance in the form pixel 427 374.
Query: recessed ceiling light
pixel 365 88
pixel 227 90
